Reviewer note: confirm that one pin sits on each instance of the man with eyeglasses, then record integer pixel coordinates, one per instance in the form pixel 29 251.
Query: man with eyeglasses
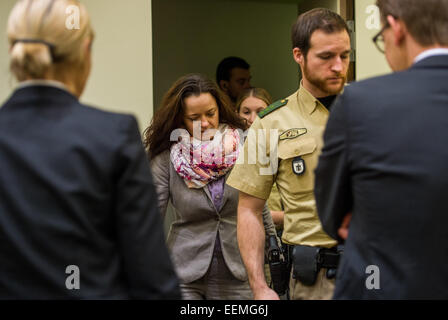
pixel 385 160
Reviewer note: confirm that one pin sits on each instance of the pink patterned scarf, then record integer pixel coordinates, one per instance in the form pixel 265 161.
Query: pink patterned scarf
pixel 200 162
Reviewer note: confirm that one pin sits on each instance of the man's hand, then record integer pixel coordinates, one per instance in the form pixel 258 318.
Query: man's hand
pixel 278 217
pixel 343 230
pixel 265 293
pixel 251 242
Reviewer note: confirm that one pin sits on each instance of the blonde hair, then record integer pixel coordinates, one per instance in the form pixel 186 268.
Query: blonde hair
pixel 40 36
pixel 258 93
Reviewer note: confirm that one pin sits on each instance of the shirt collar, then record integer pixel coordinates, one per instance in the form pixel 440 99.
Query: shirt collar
pixel 309 101
pixel 42 82
pixel 431 52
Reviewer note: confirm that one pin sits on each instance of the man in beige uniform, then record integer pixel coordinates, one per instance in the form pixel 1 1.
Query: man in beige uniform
pixel 293 129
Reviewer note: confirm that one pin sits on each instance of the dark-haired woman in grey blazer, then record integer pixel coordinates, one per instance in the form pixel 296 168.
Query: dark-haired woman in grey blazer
pixel 193 143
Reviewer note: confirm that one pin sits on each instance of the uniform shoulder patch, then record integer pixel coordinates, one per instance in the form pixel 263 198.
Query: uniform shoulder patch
pixel 272 107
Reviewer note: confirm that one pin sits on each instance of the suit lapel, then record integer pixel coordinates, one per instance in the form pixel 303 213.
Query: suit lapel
pixel 225 196
pixel 209 195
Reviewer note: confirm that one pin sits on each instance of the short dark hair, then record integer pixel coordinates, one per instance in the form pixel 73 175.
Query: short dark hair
pixel 426 21
pixel 226 65
pixel 310 21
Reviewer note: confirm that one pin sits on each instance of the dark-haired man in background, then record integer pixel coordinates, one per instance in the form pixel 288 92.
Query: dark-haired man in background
pixel 321 46
pixel 233 77
pixel 385 160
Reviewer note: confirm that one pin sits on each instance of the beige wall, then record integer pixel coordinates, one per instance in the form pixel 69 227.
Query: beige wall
pixel 194 35
pixel 369 61
pixel 306 5
pixel 121 78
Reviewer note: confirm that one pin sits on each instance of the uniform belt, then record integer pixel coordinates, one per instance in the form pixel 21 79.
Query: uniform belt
pixel 325 258
pixel 328 258
pixel 307 262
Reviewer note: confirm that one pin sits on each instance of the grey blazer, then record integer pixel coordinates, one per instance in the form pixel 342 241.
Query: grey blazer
pixel 192 235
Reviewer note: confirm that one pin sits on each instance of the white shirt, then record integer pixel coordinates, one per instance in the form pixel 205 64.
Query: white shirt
pixel 430 53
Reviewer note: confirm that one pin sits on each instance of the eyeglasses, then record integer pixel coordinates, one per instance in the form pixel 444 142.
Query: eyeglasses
pixel 378 39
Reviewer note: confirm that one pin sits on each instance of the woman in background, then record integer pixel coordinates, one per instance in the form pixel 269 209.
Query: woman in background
pixel 249 104
pixel 193 143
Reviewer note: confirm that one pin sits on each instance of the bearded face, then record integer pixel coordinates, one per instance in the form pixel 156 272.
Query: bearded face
pixel 326 64
pixel 328 85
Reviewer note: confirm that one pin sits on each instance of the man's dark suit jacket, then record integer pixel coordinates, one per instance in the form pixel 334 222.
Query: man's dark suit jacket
pixel 385 159
pixel 76 189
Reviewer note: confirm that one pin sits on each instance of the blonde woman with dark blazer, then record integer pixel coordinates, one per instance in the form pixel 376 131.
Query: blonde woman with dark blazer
pixel 189 172
pixel 78 209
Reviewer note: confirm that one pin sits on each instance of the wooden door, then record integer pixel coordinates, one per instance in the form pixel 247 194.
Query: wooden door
pixel 347 11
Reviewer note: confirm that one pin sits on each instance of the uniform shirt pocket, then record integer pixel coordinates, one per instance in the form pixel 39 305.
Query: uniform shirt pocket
pixel 297 147
pixel 298 159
